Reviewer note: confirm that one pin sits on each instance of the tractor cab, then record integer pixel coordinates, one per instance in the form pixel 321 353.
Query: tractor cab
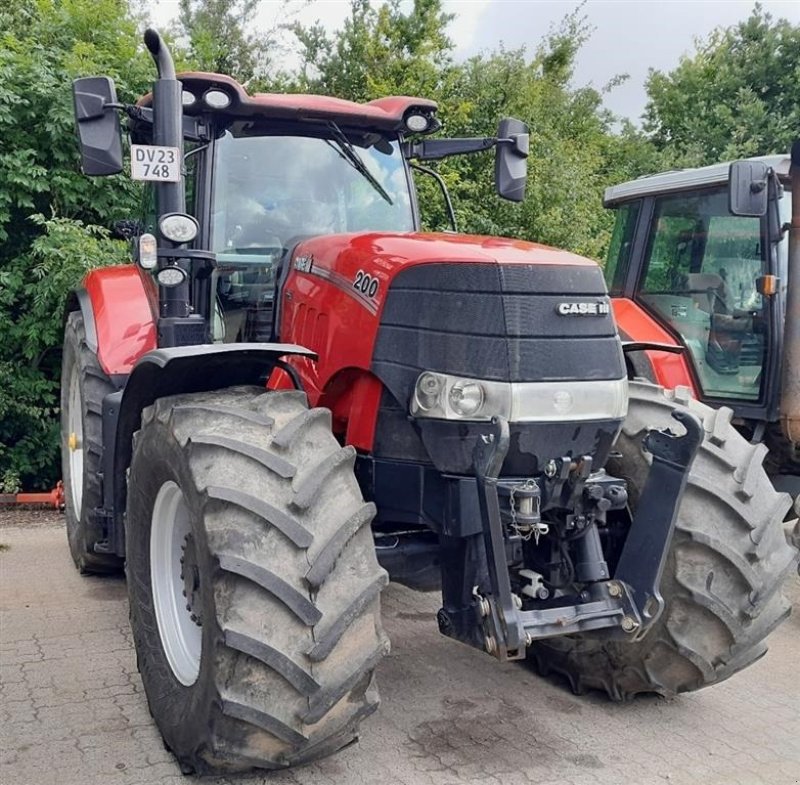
pixel 260 174
pixel 264 172
pixel 270 188
pixel 704 278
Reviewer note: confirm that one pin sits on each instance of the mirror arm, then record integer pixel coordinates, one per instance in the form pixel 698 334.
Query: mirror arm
pixel 519 142
pixel 775 229
pixel 436 149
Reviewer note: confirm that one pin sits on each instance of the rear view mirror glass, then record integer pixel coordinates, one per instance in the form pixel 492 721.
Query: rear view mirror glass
pixel 98 125
pixel 511 159
pixel 748 188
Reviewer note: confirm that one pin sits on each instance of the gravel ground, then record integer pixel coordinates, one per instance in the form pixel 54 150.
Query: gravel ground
pixel 72 709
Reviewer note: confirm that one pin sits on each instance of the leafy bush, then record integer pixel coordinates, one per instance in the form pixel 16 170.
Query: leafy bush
pixel 50 214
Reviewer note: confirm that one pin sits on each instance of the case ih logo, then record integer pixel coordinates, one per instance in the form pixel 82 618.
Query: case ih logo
pixel 583 309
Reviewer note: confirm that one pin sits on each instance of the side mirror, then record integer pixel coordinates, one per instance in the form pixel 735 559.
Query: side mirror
pixel 96 116
pixel 748 188
pixel 511 159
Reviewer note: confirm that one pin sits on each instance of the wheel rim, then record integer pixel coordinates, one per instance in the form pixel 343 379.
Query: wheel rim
pixel 75 442
pixel 181 635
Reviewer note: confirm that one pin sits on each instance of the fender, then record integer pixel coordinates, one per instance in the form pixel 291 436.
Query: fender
pixel 173 371
pixel 118 311
pixel 666 364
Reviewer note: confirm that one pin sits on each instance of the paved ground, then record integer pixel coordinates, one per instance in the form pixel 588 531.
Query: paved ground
pixel 72 709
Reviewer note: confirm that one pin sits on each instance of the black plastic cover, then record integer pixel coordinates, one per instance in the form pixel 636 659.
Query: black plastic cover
pixel 98 125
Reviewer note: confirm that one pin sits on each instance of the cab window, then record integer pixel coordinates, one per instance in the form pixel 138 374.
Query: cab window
pixel 619 250
pixel 700 275
pixel 273 191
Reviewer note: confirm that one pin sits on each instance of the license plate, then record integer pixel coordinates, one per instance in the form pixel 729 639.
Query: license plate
pixel 155 163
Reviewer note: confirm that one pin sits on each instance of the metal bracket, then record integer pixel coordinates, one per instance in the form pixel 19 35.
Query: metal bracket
pixel 625 606
pixel 504 635
pixel 641 563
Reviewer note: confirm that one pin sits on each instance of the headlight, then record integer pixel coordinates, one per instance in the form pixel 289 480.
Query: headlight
pixel 417 123
pixel 445 397
pixel 171 276
pixel 428 391
pixel 466 398
pixel 178 228
pixel 217 99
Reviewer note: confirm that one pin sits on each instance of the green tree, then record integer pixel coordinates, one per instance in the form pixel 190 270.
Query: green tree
pixel 222 39
pixel 738 95
pixel 50 214
pixel 379 51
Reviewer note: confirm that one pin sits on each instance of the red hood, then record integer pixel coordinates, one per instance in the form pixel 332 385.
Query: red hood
pixel 391 251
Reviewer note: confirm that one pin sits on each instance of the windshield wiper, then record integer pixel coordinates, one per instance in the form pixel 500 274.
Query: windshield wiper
pixel 345 147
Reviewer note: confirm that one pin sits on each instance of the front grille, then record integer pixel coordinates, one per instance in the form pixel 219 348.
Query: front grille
pixel 497 322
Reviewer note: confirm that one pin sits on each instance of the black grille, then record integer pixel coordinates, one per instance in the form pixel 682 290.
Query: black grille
pixel 496 322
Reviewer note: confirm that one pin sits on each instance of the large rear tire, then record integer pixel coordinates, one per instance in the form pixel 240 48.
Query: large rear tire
pixel 245 501
pixel 84 384
pixel 724 572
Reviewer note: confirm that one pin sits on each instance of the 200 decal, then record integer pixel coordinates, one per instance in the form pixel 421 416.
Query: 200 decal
pixel 366 284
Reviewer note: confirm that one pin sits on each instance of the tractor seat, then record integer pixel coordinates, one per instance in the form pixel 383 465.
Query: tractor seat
pixel 699 286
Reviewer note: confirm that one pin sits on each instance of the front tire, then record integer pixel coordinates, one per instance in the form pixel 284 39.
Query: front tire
pixel 724 572
pixel 280 577
pixel 84 384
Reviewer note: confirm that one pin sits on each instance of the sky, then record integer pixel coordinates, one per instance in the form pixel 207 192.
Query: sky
pixel 629 36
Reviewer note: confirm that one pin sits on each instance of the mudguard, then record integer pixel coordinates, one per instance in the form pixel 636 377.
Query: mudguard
pixel 119 315
pixel 163 372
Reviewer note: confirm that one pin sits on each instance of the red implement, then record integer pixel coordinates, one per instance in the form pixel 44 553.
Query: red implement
pixel 54 498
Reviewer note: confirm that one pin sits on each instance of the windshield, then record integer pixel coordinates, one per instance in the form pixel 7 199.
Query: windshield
pixel 271 192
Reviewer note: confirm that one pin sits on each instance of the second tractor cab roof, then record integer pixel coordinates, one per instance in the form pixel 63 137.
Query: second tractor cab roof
pixel 207 93
pixel 684 179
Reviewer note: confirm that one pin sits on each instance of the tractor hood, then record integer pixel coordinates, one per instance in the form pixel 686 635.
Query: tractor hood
pixel 502 311
pixel 390 252
pixel 394 305
pixel 363 265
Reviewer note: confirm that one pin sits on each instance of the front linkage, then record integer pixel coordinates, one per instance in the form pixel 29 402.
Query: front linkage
pixel 493 617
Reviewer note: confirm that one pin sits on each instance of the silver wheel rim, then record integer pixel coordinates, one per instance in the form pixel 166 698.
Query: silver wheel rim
pixel 75 442
pixel 181 637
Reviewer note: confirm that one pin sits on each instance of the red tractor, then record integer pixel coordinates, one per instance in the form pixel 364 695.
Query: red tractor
pixel 293 395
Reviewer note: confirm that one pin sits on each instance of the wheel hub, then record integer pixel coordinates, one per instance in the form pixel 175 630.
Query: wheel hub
pixel 75 443
pixel 175 582
pixel 190 575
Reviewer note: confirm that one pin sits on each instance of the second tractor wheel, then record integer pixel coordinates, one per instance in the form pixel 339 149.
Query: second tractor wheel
pixel 724 571
pixel 254 586
pixel 84 384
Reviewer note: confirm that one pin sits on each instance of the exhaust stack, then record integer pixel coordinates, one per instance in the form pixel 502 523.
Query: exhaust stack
pixel 790 392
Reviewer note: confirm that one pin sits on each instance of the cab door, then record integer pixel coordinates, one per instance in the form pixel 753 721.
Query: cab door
pixel 699 276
